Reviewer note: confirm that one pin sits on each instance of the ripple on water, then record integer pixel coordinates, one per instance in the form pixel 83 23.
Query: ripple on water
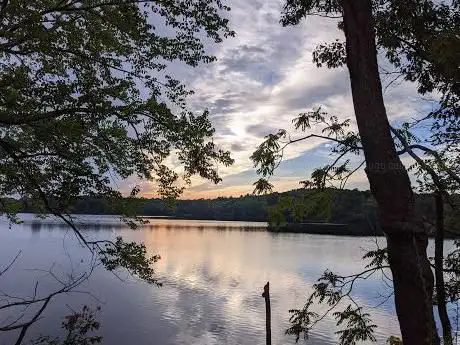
pixel 213 281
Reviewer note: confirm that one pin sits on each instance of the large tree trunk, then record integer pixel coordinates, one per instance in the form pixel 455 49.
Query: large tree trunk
pixel 407 240
pixel 439 270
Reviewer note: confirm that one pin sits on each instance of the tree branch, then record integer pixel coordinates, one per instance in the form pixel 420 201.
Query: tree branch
pixel 326 138
pixel 10 264
pixel 21 119
pixel 409 149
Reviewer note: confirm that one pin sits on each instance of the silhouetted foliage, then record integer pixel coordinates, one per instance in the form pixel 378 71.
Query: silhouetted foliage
pixel 86 99
pixel 79 328
pixel 421 43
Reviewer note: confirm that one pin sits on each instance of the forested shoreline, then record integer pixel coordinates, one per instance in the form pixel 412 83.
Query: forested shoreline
pixel 353 207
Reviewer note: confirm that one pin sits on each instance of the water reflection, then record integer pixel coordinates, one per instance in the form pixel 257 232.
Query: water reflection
pixel 213 275
pixel 114 223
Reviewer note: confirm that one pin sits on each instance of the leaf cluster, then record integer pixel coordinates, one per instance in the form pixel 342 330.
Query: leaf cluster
pixel 332 289
pixel 131 256
pixel 79 327
pixel 269 154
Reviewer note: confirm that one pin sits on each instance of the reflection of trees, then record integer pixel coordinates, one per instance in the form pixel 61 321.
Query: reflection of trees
pixel 37 226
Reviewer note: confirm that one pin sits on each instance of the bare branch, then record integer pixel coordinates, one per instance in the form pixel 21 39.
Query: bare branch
pixel 326 138
pixel 409 149
pixel 11 263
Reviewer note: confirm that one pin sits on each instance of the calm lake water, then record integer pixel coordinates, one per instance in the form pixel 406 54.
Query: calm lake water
pixel 213 275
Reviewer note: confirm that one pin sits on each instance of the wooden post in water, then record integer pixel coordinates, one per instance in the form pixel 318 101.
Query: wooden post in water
pixel 266 295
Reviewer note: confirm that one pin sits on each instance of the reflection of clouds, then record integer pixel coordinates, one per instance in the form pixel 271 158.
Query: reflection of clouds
pixel 212 279
pixel 227 271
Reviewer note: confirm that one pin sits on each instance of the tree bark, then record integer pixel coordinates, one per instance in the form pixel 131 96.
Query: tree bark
pixel 389 182
pixel 439 270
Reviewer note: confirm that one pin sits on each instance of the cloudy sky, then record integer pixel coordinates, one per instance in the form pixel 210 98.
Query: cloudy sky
pixel 261 80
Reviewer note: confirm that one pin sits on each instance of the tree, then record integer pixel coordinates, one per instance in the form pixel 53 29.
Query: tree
pixel 334 289
pixel 405 31
pixel 389 181
pixel 86 99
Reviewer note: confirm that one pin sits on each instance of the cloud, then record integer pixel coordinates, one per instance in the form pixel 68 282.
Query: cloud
pixel 236 147
pixel 263 78
pixel 261 130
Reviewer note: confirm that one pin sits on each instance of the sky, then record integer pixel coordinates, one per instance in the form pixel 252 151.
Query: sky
pixel 262 79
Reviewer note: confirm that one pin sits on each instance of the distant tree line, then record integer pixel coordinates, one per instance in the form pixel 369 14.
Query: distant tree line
pixel 344 206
